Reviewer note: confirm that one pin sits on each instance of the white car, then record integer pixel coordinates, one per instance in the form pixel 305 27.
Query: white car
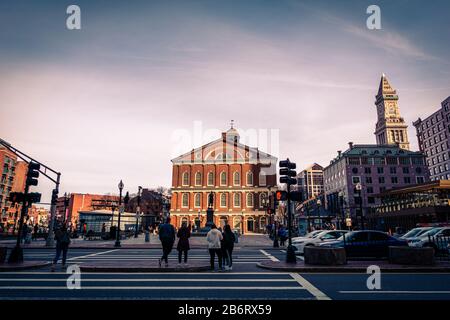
pixel 310 235
pixel 416 232
pixel 324 236
pixel 437 238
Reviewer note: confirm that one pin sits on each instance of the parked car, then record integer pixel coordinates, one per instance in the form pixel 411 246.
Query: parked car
pixel 310 235
pixel 438 238
pixel 415 232
pixel 327 235
pixel 366 243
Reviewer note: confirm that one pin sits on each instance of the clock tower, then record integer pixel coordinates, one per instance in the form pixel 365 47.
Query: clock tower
pixel 391 127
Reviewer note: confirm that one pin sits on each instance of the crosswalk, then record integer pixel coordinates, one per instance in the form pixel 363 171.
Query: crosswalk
pixel 238 284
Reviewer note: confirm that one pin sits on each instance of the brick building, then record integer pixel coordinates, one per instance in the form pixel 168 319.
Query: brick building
pixel 13 176
pixel 433 135
pixel 236 174
pixel 84 202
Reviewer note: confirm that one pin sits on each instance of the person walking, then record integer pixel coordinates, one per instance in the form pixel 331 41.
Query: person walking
pixel 214 238
pixel 35 231
pixel 62 245
pixel 227 247
pixel 183 235
pixel 167 237
pixel 282 234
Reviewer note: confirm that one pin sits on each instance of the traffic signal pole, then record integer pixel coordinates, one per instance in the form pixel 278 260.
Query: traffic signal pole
pixel 290 253
pixel 16 255
pixel 50 241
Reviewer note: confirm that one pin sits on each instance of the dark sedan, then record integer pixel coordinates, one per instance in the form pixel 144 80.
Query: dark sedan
pixel 366 243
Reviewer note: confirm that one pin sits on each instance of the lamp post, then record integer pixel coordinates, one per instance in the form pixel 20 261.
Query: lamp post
pixel 341 209
pixel 117 243
pixel 198 221
pixel 359 189
pixel 138 211
pixel 319 204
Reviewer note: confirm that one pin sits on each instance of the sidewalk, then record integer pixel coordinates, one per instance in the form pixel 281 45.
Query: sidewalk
pixel 354 266
pixel 245 241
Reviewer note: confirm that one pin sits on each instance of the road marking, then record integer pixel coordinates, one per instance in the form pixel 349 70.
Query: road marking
pixel 308 286
pixel 153 288
pixel 92 254
pixel 147 273
pixel 271 257
pixel 394 292
pixel 148 280
pixel 284 251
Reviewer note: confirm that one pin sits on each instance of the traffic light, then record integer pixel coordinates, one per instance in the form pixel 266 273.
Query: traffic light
pixel 287 173
pixel 54 197
pixel 15 197
pixel 33 173
pixel 34 197
pixel 281 195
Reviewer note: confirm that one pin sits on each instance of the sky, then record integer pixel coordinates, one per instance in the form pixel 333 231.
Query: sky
pixel 141 81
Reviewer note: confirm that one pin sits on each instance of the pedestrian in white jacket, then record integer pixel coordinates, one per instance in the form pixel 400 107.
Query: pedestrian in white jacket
pixel 214 238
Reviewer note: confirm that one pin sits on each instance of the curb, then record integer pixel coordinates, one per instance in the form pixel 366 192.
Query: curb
pixel 351 269
pixel 4 267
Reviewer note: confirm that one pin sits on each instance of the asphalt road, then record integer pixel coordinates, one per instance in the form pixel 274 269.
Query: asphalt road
pixel 246 281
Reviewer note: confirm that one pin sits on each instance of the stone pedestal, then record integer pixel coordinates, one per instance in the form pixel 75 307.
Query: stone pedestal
pixel 325 256
pixel 411 255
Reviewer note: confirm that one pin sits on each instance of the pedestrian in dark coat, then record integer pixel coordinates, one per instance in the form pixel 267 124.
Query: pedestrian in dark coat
pixel 183 235
pixel 167 237
pixel 227 247
pixel 62 238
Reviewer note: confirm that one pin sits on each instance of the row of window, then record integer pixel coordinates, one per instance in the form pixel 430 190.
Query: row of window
pixel 382 180
pixel 392 170
pixel 223 179
pixel 223 200
pixel 438 159
pixel 436 149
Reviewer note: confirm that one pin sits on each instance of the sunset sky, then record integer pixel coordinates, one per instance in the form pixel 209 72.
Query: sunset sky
pixel 109 101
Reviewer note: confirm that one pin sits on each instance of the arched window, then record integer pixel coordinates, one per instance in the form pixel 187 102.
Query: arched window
pixel 249 199
pixel 185 178
pixel 198 179
pixel 262 197
pixel 237 200
pixel 249 178
pixel 236 178
pixel 223 178
pixel 210 178
pixel 185 200
pixel 197 200
pixel 223 200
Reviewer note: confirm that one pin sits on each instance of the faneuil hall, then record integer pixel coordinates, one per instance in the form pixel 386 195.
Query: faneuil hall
pixel 238 176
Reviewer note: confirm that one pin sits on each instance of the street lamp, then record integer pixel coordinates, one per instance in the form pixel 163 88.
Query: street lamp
pixel 319 203
pixel 138 211
pixel 120 186
pixel 198 221
pixel 359 189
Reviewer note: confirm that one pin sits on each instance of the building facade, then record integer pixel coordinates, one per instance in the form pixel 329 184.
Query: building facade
pixel 84 202
pixel 12 180
pixel 390 127
pixel 433 135
pixel 373 168
pixel 310 181
pixel 422 204
pixel 238 176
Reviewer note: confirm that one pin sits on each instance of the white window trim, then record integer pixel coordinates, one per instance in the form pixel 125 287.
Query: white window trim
pixel 249 173
pixel 234 174
pixel 195 197
pixel 234 200
pixel 182 178
pixel 226 202
pixel 182 200
pixel 195 178
pixel 207 179
pixel 226 178
pixel 249 194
